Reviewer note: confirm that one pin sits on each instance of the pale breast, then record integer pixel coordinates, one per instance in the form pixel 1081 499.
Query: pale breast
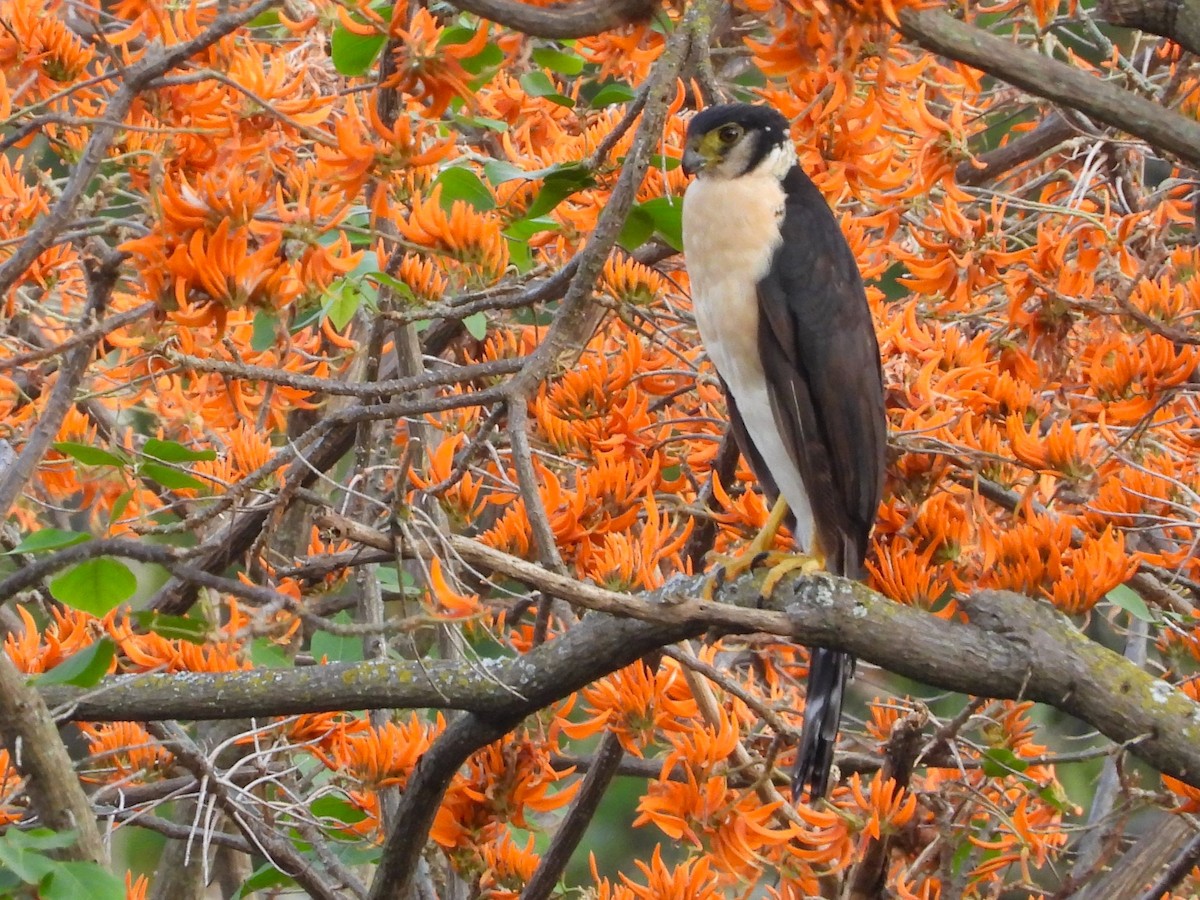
pixel 730 234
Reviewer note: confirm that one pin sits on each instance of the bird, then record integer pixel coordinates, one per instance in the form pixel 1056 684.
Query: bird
pixel 783 316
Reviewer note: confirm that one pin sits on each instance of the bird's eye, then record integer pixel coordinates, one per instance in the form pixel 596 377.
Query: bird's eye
pixel 729 133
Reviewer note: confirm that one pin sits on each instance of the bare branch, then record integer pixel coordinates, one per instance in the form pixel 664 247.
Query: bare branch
pixel 1045 77
pixel 564 20
pixel 38 753
pixel 1178 20
pixel 1010 647
pixel 136 79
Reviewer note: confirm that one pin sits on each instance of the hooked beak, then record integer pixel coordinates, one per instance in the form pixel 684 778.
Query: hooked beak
pixel 693 161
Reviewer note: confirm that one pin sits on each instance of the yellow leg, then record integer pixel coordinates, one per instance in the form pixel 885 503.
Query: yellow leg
pixel 759 553
pixel 766 537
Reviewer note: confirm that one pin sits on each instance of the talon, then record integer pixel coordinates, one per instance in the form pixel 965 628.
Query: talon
pixel 806 564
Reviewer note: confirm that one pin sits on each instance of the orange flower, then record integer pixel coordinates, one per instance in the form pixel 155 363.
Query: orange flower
pixel 123 752
pixel 691 880
pixel 430 68
pixel 637 705
pixel 11 788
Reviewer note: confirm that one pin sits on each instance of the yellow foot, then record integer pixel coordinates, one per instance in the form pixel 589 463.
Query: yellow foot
pixel 779 564
pixel 795 563
pixel 727 568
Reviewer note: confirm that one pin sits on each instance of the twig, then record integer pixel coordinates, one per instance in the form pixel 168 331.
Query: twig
pixel 604 765
pixel 87 335
pixel 280 851
pixel 101 280
pixel 367 390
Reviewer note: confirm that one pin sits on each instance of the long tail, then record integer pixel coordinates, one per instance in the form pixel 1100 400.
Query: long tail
pixel 828 671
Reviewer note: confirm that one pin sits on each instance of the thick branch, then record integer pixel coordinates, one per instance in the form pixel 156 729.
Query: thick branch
pixel 567 20
pixel 1011 647
pixel 1045 77
pixel 38 753
pixel 1178 20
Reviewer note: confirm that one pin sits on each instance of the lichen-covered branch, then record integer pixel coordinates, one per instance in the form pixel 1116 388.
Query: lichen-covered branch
pixel 1009 647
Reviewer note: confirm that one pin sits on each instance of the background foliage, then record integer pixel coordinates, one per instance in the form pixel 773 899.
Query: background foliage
pixel 312 307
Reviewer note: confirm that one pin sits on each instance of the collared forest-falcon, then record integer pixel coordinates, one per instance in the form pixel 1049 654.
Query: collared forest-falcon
pixel 781 309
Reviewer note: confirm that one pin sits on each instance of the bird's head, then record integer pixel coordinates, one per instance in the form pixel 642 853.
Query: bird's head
pixel 734 139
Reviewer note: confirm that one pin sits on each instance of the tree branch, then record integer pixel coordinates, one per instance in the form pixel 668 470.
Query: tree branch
pixel 100 279
pixel 1010 647
pixel 1178 20
pixel 1045 77
pixel 38 753
pixel 570 20
pixel 136 79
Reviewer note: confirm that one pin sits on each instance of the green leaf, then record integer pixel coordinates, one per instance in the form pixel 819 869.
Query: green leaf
pixel 538 84
pixel 354 54
pixel 265 878
pixel 82 669
pixel 497 125
pixel 1129 600
pixel 345 298
pixel 557 186
pixel 476 325
pixel 20 851
pixel 1000 761
pixel 400 288
pixel 170 451
pixel 519 253
pixel 558 61
pixel 266 326
pixel 460 183
pixel 89 456
pixel 335 647
pixel 177 628
pixel 95 586
pixel 172 479
pixel 961 855
pixel 487 58
pixel 388 578
pixel 336 808
pixel 268 19
pixel 266 654
pixel 612 93
pixel 498 171
pixel 456 35
pixel 81 881
pixel 48 539
pixel 667 214
pixel 638 227
pixel 119 505
pixel 524 229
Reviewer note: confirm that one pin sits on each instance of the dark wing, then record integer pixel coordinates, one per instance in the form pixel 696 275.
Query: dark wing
pixel 754 459
pixel 821 359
